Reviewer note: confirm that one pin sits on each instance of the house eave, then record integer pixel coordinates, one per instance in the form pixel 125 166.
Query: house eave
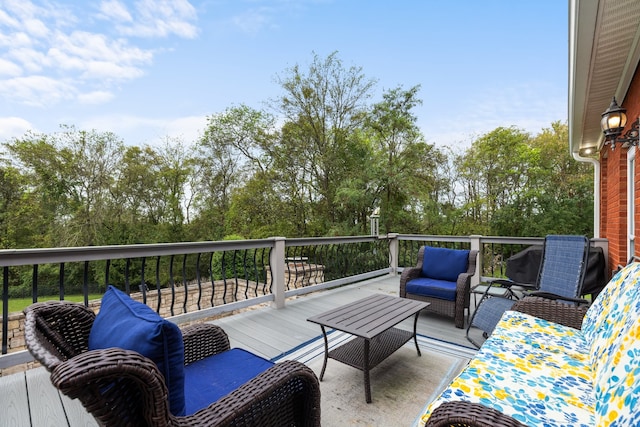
pixel 604 51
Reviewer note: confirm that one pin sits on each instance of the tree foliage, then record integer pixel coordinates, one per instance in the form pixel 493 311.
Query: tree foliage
pixel 318 164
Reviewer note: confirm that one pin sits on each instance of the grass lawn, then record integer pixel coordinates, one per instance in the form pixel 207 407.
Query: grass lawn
pixel 18 304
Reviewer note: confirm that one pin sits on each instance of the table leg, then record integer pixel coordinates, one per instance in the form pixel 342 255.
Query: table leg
pixel 415 336
pixel 326 352
pixel 367 382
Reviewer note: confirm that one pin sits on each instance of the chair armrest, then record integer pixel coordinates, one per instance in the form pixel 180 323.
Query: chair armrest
pixel 548 295
pixel 554 311
pixel 98 378
pixel 506 283
pixel 202 340
pixel 407 275
pixel 469 414
pixel 288 393
pixel 57 330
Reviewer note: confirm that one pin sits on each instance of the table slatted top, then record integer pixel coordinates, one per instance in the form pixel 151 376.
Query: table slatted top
pixel 370 316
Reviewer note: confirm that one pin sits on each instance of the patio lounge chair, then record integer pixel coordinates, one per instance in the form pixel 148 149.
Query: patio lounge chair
pixel 441 277
pixel 189 377
pixel 560 277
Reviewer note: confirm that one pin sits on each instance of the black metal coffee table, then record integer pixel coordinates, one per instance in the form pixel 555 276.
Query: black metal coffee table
pixel 372 321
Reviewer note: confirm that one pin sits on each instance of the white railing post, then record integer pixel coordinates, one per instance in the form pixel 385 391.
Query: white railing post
pixel 476 245
pixel 277 264
pixel 394 248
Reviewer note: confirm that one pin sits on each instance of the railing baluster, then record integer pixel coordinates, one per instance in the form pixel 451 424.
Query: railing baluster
pixel 5 310
pixel 34 284
pixel 224 276
pixel 127 283
pixel 199 280
pixel 184 283
pixel 85 283
pixel 234 270
pixel 265 254
pixel 61 281
pixel 143 283
pixel 106 273
pixel 158 284
pixel 172 285
pixel 213 281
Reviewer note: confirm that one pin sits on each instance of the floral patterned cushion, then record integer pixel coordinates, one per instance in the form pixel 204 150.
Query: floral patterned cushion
pixel 612 312
pixel 617 378
pixel 545 374
pixel 533 370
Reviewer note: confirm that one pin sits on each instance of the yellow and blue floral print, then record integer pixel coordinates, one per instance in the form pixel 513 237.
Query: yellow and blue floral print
pixel 545 374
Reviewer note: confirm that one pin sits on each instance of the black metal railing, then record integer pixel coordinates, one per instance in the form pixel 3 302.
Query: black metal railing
pixel 191 281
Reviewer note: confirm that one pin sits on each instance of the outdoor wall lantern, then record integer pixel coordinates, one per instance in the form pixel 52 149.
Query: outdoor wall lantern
pixel 614 119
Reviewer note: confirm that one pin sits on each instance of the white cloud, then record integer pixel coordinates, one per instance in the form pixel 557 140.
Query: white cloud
pixel 9 69
pixel 115 10
pixel 36 90
pixel 95 97
pixel 13 127
pixel 30 59
pixel 15 40
pixel 254 20
pixel 155 18
pixel 7 20
pixel 57 54
pixel 35 28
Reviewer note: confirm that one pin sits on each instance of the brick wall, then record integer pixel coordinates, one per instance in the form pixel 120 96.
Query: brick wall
pixel 613 203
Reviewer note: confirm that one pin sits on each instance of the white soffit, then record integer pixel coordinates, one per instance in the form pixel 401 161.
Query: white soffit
pixel 603 55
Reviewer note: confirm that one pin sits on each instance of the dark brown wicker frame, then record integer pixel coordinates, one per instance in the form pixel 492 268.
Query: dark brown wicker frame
pixel 123 388
pixel 460 413
pixel 455 309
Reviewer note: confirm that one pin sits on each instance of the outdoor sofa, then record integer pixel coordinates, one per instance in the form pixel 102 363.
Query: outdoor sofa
pixel 538 372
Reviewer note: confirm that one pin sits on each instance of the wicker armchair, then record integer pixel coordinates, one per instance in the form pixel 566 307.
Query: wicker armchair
pixel 462 413
pixel 123 388
pixel 453 305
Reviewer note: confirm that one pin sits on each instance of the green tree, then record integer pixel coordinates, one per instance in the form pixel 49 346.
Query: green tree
pixel 72 174
pixel 235 146
pixel 406 171
pixel 494 173
pixel 564 203
pixel 325 104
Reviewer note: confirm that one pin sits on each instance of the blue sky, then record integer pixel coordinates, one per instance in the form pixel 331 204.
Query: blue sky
pixel 148 69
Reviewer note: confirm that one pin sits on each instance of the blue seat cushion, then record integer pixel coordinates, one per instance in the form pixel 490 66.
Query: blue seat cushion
pixel 435 288
pixel 444 263
pixel 209 379
pixel 131 325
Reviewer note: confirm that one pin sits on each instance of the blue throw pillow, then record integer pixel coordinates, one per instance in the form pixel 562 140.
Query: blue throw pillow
pixel 444 263
pixel 125 323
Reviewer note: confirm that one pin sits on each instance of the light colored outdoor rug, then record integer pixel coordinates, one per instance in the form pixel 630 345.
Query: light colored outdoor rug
pixel 401 385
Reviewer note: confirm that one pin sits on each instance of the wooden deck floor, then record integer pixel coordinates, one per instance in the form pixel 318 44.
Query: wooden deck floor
pixel 29 399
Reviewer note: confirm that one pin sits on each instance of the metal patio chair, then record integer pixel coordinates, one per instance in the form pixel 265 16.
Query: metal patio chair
pixel 560 277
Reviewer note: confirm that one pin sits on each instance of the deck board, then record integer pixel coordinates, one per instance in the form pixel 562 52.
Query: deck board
pixel 29 399
pixel 13 401
pixel 44 401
